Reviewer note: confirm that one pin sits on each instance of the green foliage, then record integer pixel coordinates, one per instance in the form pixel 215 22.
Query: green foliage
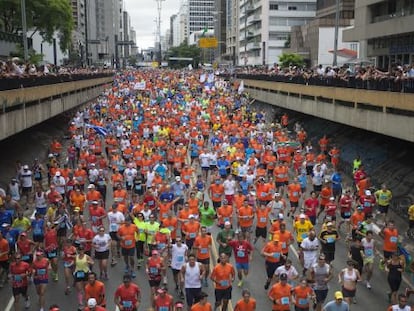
pixel 291 59
pixel 43 16
pixel 34 58
pixel 184 50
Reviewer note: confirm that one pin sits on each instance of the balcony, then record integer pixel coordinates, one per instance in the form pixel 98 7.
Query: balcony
pixel 252 46
pixel 254 19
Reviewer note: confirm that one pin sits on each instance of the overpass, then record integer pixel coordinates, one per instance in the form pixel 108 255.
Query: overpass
pixel 22 108
pixel 384 112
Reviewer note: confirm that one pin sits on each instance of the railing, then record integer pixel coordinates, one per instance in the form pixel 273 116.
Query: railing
pixel 25 82
pixel 405 85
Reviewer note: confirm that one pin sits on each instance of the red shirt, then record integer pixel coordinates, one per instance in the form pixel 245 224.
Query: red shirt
pixel 40 269
pixel 95 213
pixel 241 250
pixel 51 240
pixel 128 295
pixel 163 302
pixel 17 270
pixel 311 205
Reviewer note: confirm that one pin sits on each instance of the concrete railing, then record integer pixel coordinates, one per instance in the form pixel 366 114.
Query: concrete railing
pixel 23 108
pixel 387 113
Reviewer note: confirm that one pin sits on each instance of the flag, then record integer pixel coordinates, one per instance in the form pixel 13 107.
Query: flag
pixel 203 78
pixel 241 87
pixel 98 129
pixel 204 31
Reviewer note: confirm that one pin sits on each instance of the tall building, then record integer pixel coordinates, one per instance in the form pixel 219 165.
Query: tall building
pixel 201 15
pixel 384 30
pixel 78 33
pixel 232 31
pixel 315 40
pixel 265 27
pixel 179 25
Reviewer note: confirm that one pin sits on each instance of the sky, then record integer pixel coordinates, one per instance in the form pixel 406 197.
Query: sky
pixel 143 15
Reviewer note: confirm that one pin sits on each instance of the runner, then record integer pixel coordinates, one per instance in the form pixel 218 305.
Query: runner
pixel 223 276
pixel 223 238
pixel 126 234
pixel 202 246
pixel 115 219
pixel 328 238
pixel 246 303
pixel 20 272
pixel 92 305
pixel 178 258
pixel 51 249
pixel 191 275
pixel 69 255
pixel 80 274
pixel 348 278
pixel 128 295
pixel 321 274
pixel 273 252
pixel 202 304
pixel 395 267
pixel 163 301
pixel 310 249
pixel 338 304
pixel 155 269
pixel 101 244
pixel 262 216
pixel 95 289
pixel 280 294
pixel 243 255
pixel 303 296
pixel 369 255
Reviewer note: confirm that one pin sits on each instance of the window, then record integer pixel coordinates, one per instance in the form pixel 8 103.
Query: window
pixel 273 7
pixel 292 8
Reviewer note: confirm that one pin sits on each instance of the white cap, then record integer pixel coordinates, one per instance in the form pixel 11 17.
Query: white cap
pixel 302 216
pixel 332 198
pixel 277 194
pixel 191 216
pixel 50 155
pixel 57 174
pixel 177 178
pixel 92 302
pixel 281 216
pixel 227 223
pixel 91 186
pixel 26 167
pixel 367 192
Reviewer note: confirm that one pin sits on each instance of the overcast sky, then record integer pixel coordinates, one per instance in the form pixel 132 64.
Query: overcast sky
pixel 143 15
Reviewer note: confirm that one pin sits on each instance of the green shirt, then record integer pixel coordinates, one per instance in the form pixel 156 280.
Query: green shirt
pixel 207 216
pixel 141 225
pixel 151 230
pixel 224 237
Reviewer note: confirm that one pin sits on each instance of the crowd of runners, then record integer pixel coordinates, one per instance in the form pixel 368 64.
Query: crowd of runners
pixel 161 162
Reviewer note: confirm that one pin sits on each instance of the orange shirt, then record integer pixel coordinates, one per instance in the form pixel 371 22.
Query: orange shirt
pixel 294 192
pixel 191 229
pixel 223 275
pixel 203 244
pixel 97 291
pixel 356 219
pixel 201 307
pixel 274 249
pixel 390 239
pixel 93 195
pixel 242 305
pixel 217 192
pixel 77 199
pixel 302 295
pixel 282 295
pixel 326 193
pixel 127 234
pixel 262 217
pixel 171 224
pixel 285 239
pixel 246 216
pixel 224 213
pixel 4 250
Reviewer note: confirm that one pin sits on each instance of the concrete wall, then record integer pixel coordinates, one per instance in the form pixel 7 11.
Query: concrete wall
pixel 35 112
pixel 395 125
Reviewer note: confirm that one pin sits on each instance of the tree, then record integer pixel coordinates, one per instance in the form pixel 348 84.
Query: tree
pixel 43 16
pixel 184 50
pixel 291 59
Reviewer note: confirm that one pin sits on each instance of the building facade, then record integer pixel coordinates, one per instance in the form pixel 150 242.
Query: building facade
pixel 384 30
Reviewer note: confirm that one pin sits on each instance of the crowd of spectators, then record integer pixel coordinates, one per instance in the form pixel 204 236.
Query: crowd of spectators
pixel 16 68
pixel 397 78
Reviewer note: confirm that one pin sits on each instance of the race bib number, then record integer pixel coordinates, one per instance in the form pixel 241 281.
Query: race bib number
pixel 284 300
pixel 128 242
pixel 224 283
pixel 241 253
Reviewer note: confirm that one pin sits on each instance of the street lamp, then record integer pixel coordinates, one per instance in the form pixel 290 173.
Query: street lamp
pixel 335 54
pixel 24 31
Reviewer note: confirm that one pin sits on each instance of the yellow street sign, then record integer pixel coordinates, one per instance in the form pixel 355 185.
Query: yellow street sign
pixel 208 42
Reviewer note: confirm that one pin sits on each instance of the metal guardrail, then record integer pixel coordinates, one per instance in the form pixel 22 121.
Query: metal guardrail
pixel 385 84
pixel 16 83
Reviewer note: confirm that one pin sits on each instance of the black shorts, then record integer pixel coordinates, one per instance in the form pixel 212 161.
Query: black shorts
pixel 383 209
pixel 294 204
pixel 102 255
pixel 205 168
pixel 216 204
pixel 348 293
pixel 223 294
pixel 62 232
pixel 280 184
pixel 5 265
pixel 271 268
pixel 80 276
pixel 175 271
pixel 52 254
pixel 321 295
pixel 246 229
pixel 204 261
pixel 128 252
pixel 38 238
pixel 19 291
pixel 329 256
pixel 317 188
pixel 154 283
pixel 261 232
pixel 26 190
pixel 387 255
pixel 114 236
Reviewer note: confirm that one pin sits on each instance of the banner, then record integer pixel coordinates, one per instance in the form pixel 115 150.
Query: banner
pixel 140 85
pixel 210 42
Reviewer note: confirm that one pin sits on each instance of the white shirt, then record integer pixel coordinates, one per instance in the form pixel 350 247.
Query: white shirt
pixel 204 160
pixel 291 273
pixel 229 187
pixel 130 174
pixel 59 183
pixel 178 256
pixel 310 251
pixel 101 243
pixel 114 219
pixel 26 178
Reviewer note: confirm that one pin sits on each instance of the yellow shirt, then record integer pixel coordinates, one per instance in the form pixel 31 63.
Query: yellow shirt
pixel 302 230
pixel 411 212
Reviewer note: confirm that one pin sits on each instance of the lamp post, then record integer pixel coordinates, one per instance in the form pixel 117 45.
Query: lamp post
pixel 335 54
pixel 159 7
pixel 24 31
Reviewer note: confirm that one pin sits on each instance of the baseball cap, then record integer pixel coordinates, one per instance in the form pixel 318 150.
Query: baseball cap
pixel 26 167
pixel 367 192
pixel 154 252
pixel 302 216
pixel 76 209
pixel 227 223
pixel 281 216
pixel 177 178
pixel 57 174
pixel 329 224
pixel 277 194
pixel 332 199
pixel 283 276
pixel 191 216
pixel 91 186
pixel 338 295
